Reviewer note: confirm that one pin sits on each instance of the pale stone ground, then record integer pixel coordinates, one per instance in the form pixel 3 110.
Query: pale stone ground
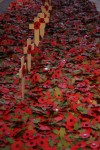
pixel 97 3
pixel 4 5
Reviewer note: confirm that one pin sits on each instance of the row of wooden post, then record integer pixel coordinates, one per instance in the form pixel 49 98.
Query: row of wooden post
pixel 38 26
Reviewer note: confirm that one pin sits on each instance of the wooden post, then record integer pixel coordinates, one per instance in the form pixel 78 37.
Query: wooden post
pixel 36 27
pixel 28 43
pixel 22 73
pixel 28 50
pixel 46 8
pixel 43 20
pixel 29 58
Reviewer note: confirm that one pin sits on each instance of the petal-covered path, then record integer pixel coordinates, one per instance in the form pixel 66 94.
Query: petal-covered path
pixel 62 101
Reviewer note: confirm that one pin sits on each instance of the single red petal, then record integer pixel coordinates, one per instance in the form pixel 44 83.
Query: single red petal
pixel 44 127
pixel 59 118
pixel 5 90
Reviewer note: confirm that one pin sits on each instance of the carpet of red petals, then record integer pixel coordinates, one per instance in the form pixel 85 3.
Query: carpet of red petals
pixel 62 101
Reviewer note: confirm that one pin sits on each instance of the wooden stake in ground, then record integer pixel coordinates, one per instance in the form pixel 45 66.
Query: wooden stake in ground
pixel 43 20
pixel 29 41
pixel 46 8
pixel 28 50
pixel 50 2
pixel 29 53
pixel 47 14
pixel 36 27
pixel 22 73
